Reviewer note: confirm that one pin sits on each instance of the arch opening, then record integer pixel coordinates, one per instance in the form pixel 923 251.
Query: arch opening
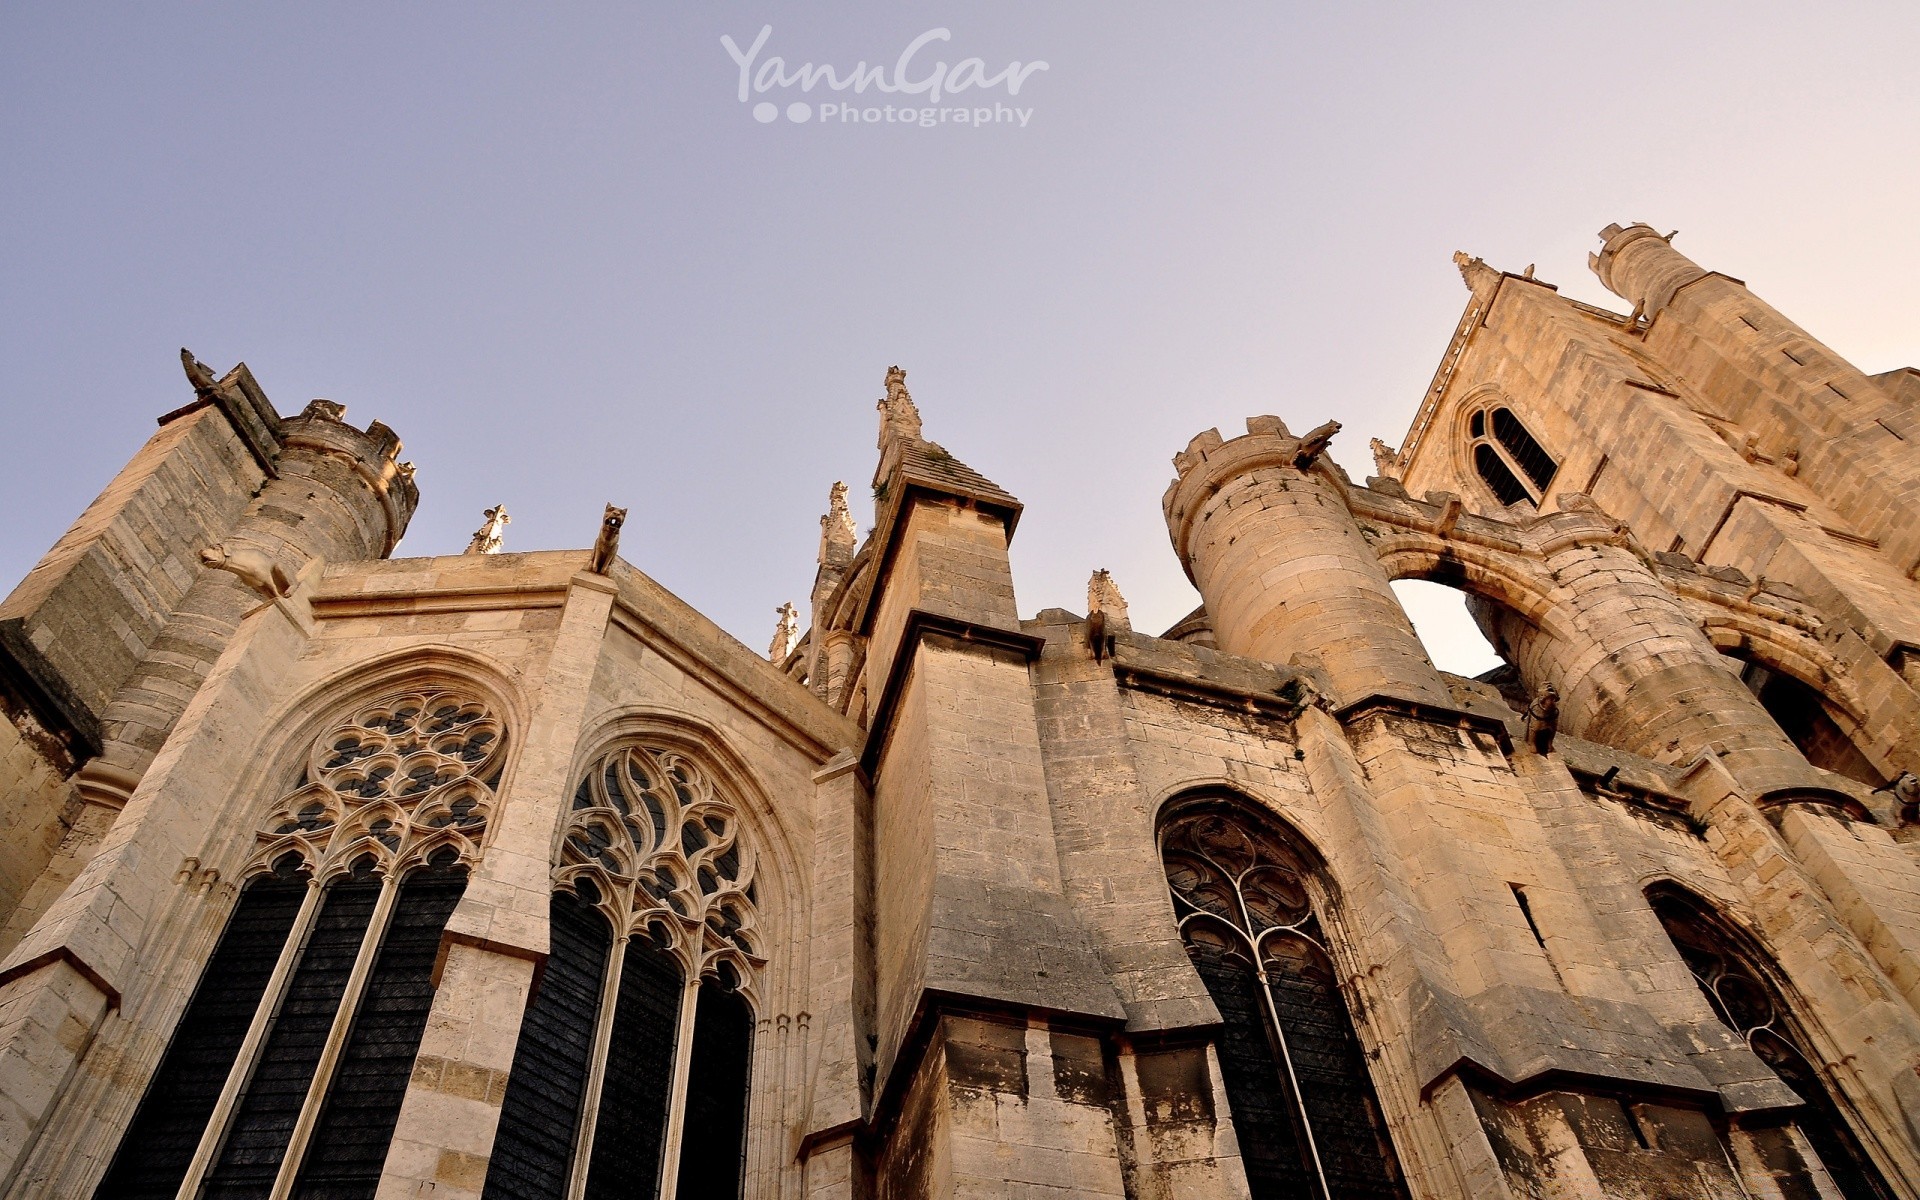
pixel 1803 715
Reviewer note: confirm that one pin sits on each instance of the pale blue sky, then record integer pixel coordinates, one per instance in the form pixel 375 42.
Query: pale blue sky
pixel 553 250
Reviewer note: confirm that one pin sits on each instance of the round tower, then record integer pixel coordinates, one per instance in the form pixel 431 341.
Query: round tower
pixel 337 494
pixel 1640 265
pixel 1262 527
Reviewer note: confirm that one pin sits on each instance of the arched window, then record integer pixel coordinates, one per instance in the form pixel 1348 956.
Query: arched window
pixel 1511 462
pixel 653 942
pixel 289 1065
pixel 1742 994
pixel 1802 716
pixel 1303 1104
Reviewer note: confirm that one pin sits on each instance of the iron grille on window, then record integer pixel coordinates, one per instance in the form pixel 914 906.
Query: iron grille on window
pixel 1303 1103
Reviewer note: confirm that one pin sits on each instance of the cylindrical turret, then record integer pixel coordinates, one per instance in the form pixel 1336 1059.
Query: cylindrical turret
pixel 338 494
pixel 1642 267
pixel 1263 531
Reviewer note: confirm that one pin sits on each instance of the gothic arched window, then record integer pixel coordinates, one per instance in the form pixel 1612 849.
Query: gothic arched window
pixel 286 1072
pixel 1303 1103
pixel 1743 995
pixel 653 944
pixel 1509 459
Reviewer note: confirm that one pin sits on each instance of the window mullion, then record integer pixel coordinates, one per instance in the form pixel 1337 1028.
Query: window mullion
pixel 1534 492
pixel 336 1037
pixel 1293 1080
pixel 257 1030
pixel 677 1094
pixel 597 1069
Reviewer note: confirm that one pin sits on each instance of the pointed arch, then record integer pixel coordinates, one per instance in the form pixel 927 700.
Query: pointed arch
pixel 1744 986
pixel 1249 893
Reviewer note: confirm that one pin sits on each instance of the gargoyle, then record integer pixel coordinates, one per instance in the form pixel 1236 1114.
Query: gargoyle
pixel 198 373
pixel 1543 719
pixel 1314 445
pixel 608 543
pixel 254 567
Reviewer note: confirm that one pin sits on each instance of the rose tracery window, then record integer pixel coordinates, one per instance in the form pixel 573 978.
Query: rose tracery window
pixel 1303 1103
pixel 287 1070
pixel 1743 996
pixel 630 1079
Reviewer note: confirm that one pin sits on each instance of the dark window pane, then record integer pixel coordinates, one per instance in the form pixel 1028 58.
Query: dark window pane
pixel 1531 456
pixel 1265 1117
pixel 533 1150
pixel 349 1143
pixel 1495 475
pixel 713 1142
pixel 264 1119
pixel 632 1120
pixel 159 1145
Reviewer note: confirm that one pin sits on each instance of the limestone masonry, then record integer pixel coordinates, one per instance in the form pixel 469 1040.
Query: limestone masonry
pixel 509 875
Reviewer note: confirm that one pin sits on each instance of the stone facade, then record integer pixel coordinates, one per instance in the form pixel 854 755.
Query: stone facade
pixel 1267 905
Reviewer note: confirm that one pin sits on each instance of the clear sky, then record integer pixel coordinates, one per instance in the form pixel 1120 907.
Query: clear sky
pixel 553 249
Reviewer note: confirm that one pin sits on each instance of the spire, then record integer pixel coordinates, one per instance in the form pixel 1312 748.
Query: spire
pixel 785 634
pixel 837 535
pixel 899 416
pixel 1386 460
pixel 488 538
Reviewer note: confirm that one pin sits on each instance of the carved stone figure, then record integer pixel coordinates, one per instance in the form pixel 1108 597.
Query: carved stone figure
pixel 608 543
pixel 198 373
pixel 1543 719
pixel 1314 445
pixel 489 537
pixel 254 568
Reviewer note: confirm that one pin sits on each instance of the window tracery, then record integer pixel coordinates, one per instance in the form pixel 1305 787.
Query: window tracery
pixel 1303 1102
pixel 287 1069
pixel 654 918
pixel 1745 999
pixel 1509 460
pixel 399 780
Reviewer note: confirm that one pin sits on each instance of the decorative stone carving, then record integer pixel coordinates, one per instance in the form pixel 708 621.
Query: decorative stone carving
pixel 899 416
pixel 786 633
pixel 1314 444
pixel 657 846
pixel 1543 719
pixel 324 410
pixel 1386 460
pixel 491 536
pixel 399 779
pixel 1106 613
pixel 198 373
pixel 254 567
pixel 607 545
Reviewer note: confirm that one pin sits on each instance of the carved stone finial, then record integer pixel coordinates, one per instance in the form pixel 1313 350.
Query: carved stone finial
pixel 1543 719
pixel 1314 444
pixel 198 373
pixel 254 568
pixel 839 520
pixel 1106 613
pixel 488 538
pixel 324 410
pixel 608 543
pixel 785 634
pixel 899 416
pixel 1386 460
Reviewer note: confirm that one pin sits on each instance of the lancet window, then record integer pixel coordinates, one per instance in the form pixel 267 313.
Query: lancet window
pixel 284 1076
pixel 631 1075
pixel 1304 1108
pixel 1508 458
pixel 1743 996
